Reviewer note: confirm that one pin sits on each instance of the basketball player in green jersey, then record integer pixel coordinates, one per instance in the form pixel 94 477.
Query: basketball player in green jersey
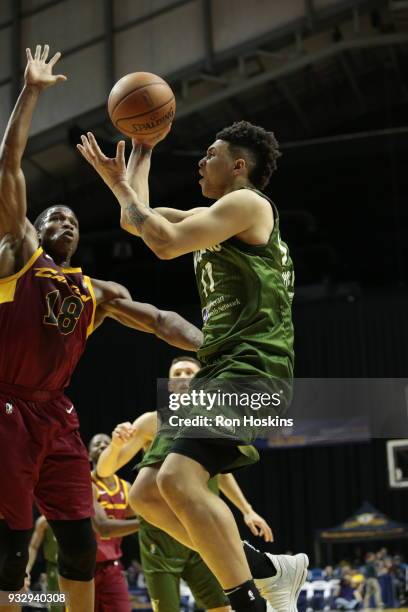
pixel 245 279
pixel 44 536
pixel 164 560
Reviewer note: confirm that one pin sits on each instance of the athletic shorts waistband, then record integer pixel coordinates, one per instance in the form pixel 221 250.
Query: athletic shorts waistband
pixel 33 395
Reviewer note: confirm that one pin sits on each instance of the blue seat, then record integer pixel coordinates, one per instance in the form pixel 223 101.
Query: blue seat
pixel 315 574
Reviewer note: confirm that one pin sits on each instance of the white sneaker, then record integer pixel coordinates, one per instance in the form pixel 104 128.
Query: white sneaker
pixel 282 591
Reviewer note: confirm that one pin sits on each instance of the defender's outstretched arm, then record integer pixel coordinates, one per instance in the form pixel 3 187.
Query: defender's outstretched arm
pixel 13 205
pixel 166 325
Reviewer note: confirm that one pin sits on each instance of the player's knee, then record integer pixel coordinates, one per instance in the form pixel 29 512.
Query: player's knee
pixel 13 557
pixel 170 484
pixel 143 494
pixel 76 549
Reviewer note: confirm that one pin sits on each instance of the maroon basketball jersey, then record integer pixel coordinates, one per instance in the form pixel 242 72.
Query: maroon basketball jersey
pixel 114 502
pixel 46 315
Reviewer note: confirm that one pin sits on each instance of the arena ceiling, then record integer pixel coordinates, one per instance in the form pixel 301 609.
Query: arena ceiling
pixel 334 89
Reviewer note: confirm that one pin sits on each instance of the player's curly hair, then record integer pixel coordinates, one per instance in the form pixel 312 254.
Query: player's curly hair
pixel 261 145
pixel 39 222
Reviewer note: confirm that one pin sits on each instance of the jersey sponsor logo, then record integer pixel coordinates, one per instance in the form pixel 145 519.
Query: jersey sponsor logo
pixel 219 306
pixel 9 408
pixel 61 278
pixel 69 410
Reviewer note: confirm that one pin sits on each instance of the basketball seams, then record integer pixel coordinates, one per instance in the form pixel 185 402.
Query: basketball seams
pixel 163 83
pixel 136 106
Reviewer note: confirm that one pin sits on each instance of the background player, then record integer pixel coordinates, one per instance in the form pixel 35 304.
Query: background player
pixel 111 503
pixel 164 560
pixel 47 311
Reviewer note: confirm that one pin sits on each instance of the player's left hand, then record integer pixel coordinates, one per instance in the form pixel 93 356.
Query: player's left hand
pixel 38 72
pixel 111 169
pixel 258 526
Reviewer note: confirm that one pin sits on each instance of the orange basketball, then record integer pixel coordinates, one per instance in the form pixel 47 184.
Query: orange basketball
pixel 141 104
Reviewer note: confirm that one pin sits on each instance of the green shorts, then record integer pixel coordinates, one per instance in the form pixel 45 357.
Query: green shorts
pixel 162 445
pixel 165 562
pixel 242 368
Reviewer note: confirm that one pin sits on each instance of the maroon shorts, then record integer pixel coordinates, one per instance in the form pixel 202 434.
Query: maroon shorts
pixel 42 460
pixel 111 592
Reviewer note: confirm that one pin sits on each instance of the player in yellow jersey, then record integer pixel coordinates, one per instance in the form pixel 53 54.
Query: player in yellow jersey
pixel 111 504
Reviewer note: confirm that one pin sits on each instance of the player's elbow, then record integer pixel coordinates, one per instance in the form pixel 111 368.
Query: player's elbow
pixel 128 227
pixel 165 250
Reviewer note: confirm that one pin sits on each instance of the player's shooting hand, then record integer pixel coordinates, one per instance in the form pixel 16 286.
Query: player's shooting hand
pixel 258 526
pixel 122 434
pixel 111 169
pixel 148 142
pixel 38 72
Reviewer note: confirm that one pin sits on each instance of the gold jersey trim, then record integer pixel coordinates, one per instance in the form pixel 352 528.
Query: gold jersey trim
pixel 88 283
pixel 23 270
pixel 109 491
pixel 71 270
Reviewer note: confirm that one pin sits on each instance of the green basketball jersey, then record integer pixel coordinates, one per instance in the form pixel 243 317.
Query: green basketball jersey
pixel 246 295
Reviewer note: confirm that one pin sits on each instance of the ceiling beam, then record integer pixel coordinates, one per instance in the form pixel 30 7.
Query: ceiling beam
pixel 186 108
pixel 351 78
pixel 285 90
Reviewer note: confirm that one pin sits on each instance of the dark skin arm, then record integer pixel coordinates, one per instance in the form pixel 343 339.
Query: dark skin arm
pixel 18 239
pixel 108 527
pixel 115 301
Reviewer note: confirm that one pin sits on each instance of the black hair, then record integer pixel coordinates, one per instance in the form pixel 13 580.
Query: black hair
pixel 39 222
pixel 185 358
pixel 262 146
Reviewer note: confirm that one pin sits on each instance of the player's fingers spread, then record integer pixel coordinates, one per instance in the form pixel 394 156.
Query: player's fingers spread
pixel 54 59
pixel 45 53
pixel 29 56
pixel 94 145
pixel 253 528
pixel 82 151
pixel 120 150
pixel 37 52
pixel 87 146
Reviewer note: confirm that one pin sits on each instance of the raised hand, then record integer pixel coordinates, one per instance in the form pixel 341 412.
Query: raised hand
pixel 148 142
pixel 38 72
pixel 111 169
pixel 122 434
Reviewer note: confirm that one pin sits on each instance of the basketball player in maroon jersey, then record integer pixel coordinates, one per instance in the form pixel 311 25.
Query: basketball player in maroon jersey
pixel 111 502
pixel 47 311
